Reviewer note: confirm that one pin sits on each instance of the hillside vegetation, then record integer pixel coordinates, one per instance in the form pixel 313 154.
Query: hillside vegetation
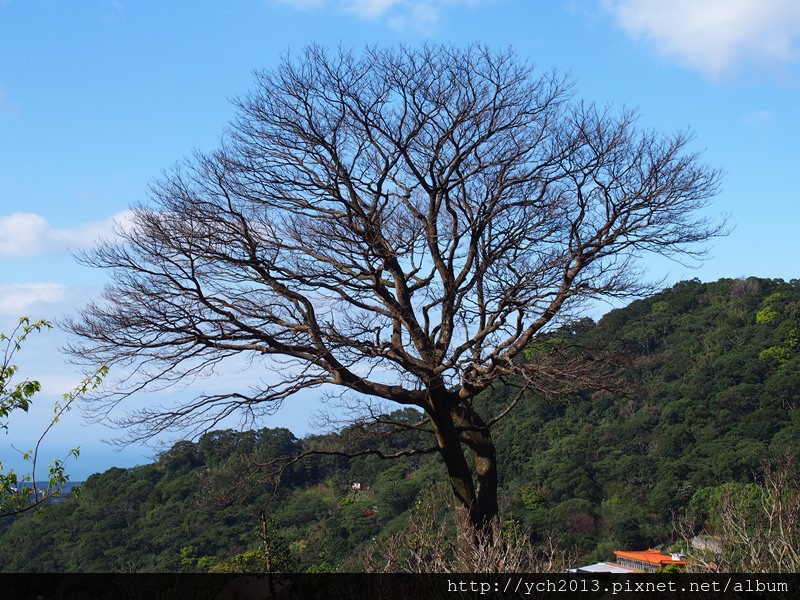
pixel 709 392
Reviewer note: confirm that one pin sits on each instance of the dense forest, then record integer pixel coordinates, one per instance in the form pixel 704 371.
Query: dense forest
pixel 703 413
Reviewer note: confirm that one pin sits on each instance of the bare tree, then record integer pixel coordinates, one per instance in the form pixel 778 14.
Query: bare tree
pixel 750 528
pixel 399 224
pixel 425 546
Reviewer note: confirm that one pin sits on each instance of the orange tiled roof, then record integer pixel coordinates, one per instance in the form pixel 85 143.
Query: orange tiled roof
pixel 650 556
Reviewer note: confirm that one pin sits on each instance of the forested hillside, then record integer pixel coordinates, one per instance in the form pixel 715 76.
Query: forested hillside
pixel 709 392
pixel 714 388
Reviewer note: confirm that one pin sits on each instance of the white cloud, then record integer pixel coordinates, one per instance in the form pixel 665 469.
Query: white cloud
pixel 303 4
pixel 421 15
pixel 398 14
pixel 19 298
pixel 371 8
pixel 715 37
pixel 29 234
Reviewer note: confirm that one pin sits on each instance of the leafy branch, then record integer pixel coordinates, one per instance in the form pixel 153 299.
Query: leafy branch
pixel 22 493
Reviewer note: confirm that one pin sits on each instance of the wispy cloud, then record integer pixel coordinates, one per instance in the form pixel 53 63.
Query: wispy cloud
pixel 371 8
pixel 20 298
pixel 716 37
pixel 397 14
pixel 759 119
pixel 7 106
pixel 28 234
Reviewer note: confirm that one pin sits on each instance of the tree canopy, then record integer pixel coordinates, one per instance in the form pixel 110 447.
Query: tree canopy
pixel 399 224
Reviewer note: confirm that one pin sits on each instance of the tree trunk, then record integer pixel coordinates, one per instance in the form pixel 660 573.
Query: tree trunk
pixel 477 437
pixel 475 500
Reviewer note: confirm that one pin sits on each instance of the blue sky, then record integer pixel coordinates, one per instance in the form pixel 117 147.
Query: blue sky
pixel 98 97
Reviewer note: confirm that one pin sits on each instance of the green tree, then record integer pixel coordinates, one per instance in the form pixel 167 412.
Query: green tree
pixel 19 493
